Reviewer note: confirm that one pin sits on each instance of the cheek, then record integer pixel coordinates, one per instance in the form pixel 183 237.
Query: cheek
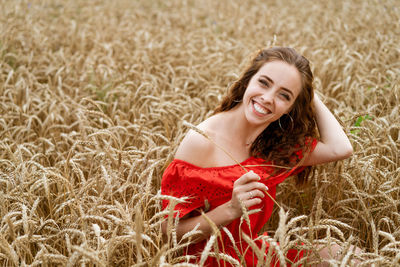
pixel 248 93
pixel 284 107
pixel 283 104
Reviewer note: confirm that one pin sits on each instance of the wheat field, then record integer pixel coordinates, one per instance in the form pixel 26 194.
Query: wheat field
pixel 93 96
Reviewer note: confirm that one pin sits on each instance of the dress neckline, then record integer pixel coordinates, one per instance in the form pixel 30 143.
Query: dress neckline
pixel 210 168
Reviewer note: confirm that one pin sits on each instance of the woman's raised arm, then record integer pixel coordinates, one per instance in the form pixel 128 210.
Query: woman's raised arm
pixel 334 143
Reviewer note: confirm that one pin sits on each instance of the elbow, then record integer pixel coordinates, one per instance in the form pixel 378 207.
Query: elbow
pixel 345 152
pixel 348 149
pixel 348 152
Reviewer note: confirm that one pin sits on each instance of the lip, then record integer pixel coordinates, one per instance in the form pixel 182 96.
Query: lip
pixel 258 113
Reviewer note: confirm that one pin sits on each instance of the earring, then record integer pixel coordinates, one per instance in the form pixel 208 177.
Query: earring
pixel 291 120
pixel 279 122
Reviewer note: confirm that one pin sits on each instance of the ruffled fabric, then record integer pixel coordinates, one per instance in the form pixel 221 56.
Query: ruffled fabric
pixel 207 188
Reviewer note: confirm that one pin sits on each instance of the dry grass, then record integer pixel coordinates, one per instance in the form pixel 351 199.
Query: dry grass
pixel 92 99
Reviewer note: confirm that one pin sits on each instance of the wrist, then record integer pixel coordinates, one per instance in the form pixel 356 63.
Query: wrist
pixel 230 212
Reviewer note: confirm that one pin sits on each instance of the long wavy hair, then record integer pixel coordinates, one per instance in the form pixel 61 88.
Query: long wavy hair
pixel 292 132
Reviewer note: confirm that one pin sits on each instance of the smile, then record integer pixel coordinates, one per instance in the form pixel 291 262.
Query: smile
pixel 260 109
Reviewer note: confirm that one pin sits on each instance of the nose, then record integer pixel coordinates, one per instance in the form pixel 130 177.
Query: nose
pixel 268 96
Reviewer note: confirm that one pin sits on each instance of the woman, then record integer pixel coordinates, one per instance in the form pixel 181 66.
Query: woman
pixel 267 120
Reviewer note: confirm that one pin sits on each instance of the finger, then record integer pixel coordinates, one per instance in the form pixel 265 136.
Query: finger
pixel 256 193
pixel 253 186
pixel 251 202
pixel 246 178
pixel 251 194
pixel 263 187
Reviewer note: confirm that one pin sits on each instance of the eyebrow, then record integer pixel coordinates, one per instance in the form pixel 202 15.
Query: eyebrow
pixel 271 81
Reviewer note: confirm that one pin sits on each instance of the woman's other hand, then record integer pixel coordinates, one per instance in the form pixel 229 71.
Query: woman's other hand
pixel 247 191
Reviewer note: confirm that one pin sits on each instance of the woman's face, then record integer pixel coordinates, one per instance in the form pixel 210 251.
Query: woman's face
pixel 271 92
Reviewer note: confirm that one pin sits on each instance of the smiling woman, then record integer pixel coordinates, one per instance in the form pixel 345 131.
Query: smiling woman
pixel 271 93
pixel 266 120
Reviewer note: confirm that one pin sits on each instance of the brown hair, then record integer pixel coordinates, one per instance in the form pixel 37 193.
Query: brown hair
pixel 278 142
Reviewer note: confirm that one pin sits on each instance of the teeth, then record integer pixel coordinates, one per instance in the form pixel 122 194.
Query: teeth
pixel 260 109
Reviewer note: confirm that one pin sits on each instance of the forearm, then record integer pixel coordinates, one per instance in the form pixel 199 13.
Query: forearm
pixel 220 216
pixel 247 191
pixel 331 132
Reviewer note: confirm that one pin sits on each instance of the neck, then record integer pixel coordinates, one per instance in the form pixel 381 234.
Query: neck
pixel 239 129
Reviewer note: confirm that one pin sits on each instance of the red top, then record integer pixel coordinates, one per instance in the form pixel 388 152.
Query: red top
pixel 214 185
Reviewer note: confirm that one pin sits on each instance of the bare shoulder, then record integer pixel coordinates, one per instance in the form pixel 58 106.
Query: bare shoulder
pixel 195 148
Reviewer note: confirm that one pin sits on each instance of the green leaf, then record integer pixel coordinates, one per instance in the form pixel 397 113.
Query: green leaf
pixel 359 121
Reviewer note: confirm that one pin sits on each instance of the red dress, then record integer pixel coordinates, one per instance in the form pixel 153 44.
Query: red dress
pixel 214 185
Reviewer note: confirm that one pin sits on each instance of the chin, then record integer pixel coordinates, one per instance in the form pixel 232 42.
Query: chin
pixel 255 121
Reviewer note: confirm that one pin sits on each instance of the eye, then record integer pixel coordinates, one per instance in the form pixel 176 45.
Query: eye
pixel 264 82
pixel 286 96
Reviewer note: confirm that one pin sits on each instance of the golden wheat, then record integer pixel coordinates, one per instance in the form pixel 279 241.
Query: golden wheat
pixel 93 99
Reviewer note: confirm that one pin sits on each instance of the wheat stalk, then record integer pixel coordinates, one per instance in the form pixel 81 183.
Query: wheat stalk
pixel 85 85
pixel 193 127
